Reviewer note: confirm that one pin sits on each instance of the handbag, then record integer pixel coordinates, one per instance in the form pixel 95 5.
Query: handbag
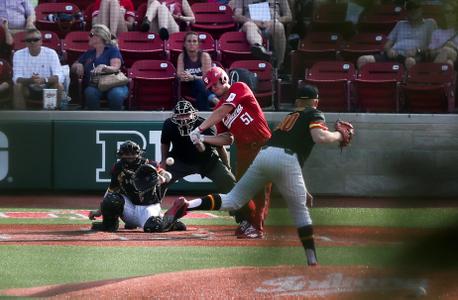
pixel 111 80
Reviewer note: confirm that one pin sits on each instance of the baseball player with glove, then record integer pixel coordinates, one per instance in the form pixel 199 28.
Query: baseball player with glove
pixel 134 194
pixel 280 161
pixel 209 161
pixel 238 117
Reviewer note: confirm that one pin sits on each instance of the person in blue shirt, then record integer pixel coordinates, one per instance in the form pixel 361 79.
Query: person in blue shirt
pixel 102 57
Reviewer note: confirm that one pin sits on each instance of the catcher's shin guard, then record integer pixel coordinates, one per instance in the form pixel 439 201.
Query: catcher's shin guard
pixel 306 237
pixel 105 226
pixel 112 208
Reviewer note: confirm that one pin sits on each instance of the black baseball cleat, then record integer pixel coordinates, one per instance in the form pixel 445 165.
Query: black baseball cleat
pixel 178 226
pixel 260 52
pixel 175 212
pixel 99 226
pixel 144 27
pixel 164 34
pixel 130 226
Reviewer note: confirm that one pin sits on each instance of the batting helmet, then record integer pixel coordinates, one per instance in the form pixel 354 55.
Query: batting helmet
pixel 215 74
pixel 184 115
pixel 145 178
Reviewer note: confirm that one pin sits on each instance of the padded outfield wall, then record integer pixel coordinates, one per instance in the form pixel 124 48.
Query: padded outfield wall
pixel 391 155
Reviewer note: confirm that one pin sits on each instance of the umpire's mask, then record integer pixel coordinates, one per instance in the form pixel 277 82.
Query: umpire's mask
pixel 184 115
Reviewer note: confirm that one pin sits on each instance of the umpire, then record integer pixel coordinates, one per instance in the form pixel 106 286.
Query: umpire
pixel 212 162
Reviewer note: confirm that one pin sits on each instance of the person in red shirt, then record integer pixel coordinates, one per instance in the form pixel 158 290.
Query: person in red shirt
pixel 238 117
pixel 118 15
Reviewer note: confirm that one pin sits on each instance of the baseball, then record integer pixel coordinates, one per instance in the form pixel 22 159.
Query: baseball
pixel 169 161
pixel 421 292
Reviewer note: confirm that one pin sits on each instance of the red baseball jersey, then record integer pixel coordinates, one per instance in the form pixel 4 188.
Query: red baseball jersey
pixel 246 120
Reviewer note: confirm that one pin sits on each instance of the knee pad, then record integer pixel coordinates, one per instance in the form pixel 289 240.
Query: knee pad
pixel 153 224
pixel 112 208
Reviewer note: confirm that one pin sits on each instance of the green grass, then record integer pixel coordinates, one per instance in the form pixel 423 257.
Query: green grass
pixel 385 217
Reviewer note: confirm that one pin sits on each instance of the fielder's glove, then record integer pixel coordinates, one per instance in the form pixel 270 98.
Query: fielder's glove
pixel 347 131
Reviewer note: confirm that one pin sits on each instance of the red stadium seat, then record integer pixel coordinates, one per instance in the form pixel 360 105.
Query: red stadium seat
pixel 333 79
pixel 378 87
pixel 316 46
pixel 329 17
pixel 381 18
pixel 174 45
pixel 264 88
pixel 153 85
pixel 234 46
pixel 430 88
pixel 362 44
pixel 50 39
pixel 213 18
pixel 75 44
pixel 82 4
pixel 43 22
pixel 136 45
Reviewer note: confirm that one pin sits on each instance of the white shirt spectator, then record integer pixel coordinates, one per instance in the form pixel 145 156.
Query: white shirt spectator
pixel 406 37
pixel 45 64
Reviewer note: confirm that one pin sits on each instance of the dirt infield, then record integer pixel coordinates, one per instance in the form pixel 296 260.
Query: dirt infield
pixel 214 236
pixel 284 282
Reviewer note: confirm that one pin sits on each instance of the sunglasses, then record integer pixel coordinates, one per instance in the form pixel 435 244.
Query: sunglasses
pixel 32 40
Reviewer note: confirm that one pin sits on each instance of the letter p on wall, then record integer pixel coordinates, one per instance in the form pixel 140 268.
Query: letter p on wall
pixel 3 156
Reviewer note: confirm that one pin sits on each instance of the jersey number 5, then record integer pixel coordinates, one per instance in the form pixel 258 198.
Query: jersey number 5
pixel 246 118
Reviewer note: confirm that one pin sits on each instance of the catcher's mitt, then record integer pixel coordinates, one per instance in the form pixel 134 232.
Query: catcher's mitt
pixel 347 131
pixel 145 178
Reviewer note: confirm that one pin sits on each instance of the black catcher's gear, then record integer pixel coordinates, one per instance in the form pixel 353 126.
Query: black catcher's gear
pixel 184 115
pixel 129 153
pixel 112 208
pixel 145 179
pixel 153 224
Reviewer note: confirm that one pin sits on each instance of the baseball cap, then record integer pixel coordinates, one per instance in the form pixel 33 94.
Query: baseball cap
pixel 412 4
pixel 306 92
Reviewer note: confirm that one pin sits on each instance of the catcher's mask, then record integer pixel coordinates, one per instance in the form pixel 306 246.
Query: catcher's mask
pixel 129 153
pixel 146 179
pixel 184 115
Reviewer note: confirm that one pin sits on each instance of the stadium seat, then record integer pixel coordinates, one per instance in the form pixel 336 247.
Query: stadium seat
pixel 381 18
pixel 264 89
pixel 329 17
pixel 153 85
pixel 316 46
pixel 362 44
pixel 213 18
pixel 333 79
pixel 75 44
pixel 82 4
pixel 136 45
pixel 234 46
pixel 378 85
pixel 44 21
pixel 50 39
pixel 174 45
pixel 430 88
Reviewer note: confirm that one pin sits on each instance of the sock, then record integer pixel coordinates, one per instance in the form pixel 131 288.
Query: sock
pixel 306 237
pixel 209 202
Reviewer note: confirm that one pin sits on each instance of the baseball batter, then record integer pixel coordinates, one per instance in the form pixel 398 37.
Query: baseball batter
pixel 281 161
pixel 238 117
pixel 134 194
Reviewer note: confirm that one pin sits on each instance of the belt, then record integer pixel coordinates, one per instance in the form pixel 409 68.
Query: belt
pixel 287 150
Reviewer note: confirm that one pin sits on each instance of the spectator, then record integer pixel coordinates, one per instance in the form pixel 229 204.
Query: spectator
pixel 166 16
pixel 104 56
pixel 6 40
pixel 191 64
pixel 118 15
pixel 407 39
pixel 444 41
pixel 19 13
pixel 256 29
pixel 35 68
pixel 5 82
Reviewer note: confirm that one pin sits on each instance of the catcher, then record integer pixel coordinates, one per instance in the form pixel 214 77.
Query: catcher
pixel 134 194
pixel 280 161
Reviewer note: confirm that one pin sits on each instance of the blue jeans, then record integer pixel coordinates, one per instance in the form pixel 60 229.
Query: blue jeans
pixel 200 93
pixel 115 97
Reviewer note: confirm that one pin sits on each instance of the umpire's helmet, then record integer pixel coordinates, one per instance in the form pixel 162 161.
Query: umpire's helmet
pixel 146 178
pixel 184 115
